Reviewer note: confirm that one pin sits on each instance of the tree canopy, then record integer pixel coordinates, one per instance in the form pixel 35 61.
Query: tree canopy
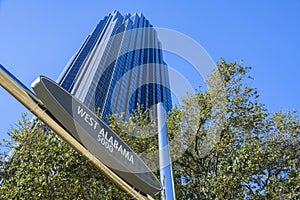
pixel 224 144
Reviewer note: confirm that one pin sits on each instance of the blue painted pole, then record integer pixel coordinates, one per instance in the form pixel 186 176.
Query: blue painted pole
pixel 166 174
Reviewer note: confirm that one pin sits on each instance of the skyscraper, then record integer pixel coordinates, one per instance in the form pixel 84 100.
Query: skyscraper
pixel 119 65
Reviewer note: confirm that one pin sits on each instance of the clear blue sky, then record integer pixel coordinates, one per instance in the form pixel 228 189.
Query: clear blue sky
pixel 39 37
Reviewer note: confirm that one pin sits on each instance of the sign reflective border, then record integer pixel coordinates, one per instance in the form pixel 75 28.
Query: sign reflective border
pixel 95 135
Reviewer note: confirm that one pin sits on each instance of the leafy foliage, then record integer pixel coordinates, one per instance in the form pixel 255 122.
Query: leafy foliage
pixel 256 154
pixel 45 167
pixel 224 145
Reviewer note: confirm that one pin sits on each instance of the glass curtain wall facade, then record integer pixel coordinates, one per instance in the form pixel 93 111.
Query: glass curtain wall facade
pixel 119 66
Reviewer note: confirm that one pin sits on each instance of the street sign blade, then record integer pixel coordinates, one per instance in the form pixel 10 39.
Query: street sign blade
pixel 95 135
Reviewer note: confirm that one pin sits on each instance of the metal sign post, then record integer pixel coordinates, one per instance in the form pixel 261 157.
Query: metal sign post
pixel 166 175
